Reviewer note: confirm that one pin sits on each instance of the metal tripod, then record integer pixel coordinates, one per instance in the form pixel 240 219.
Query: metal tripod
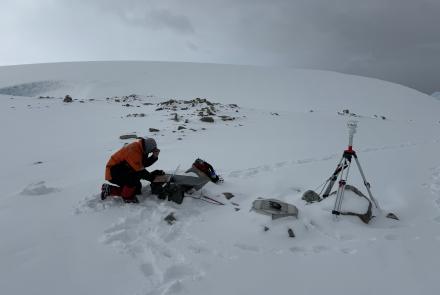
pixel 342 170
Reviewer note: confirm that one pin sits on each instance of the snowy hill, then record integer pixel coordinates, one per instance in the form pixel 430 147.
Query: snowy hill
pixel 276 133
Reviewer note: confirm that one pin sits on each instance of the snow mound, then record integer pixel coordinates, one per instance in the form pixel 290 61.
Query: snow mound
pixel 38 189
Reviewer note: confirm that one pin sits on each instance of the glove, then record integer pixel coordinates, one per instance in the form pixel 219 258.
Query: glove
pixel 158 172
pixel 155 173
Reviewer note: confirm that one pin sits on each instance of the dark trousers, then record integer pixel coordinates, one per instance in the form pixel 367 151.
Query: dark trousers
pixel 123 175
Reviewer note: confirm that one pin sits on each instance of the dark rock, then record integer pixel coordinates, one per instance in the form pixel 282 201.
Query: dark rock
pixel 117 100
pixel 153 130
pixel 147 104
pixel 392 216
pixel 37 163
pixel 237 209
pixel 170 218
pixel 181 127
pixel 383 117
pixel 186 121
pixel 159 109
pixel 228 195
pixel 128 136
pixel 274 114
pixel 179 138
pixel 207 119
pixel 266 228
pixel 311 196
pixel 67 98
pixel 176 117
pixel 227 118
pixel 291 233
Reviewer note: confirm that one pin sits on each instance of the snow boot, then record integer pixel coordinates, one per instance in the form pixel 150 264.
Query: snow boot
pixel 108 190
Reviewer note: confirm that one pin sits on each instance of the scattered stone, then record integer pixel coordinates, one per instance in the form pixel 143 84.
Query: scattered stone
pixel 117 100
pixel 128 136
pixel 266 228
pixel 192 129
pixel 392 216
pixel 159 109
pixel 147 104
pixel 186 121
pixel 179 138
pixel 170 218
pixel 181 127
pixel 82 101
pixel 228 195
pixel 176 117
pixel 311 197
pixel 136 115
pixel 207 119
pixel 91 99
pixel 227 118
pixel 383 117
pixel 37 163
pixel 127 105
pixel 67 98
pixel 311 111
pixel 235 204
pixel 233 105
pixel 237 209
pixel 153 130
pixel 274 114
pixel 291 233
pixel 203 128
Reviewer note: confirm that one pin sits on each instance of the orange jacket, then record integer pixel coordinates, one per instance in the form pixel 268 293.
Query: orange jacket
pixel 132 153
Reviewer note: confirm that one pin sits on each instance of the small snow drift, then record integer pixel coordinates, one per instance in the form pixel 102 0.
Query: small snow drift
pixel 38 189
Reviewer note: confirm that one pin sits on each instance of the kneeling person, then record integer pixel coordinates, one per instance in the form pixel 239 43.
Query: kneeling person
pixel 126 168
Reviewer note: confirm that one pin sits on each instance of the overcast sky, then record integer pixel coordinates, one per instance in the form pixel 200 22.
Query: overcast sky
pixel 395 40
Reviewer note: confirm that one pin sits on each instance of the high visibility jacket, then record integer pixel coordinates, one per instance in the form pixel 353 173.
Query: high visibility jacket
pixel 132 154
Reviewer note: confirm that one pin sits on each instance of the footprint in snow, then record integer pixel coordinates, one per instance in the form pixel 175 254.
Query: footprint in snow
pixel 349 251
pixel 391 237
pixel 346 237
pixel 298 250
pixel 246 247
pixel 320 249
pixel 147 269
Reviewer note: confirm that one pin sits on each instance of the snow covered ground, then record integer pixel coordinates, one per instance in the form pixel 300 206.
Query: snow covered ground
pixel 283 134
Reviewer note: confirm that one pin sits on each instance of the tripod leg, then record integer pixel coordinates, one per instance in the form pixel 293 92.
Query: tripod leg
pixel 366 183
pixel 333 178
pixel 341 189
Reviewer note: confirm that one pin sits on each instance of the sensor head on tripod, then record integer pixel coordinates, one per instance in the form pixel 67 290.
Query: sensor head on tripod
pixel 352 126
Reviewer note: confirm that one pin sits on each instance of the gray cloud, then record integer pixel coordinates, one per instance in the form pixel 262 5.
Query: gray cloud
pixel 395 40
